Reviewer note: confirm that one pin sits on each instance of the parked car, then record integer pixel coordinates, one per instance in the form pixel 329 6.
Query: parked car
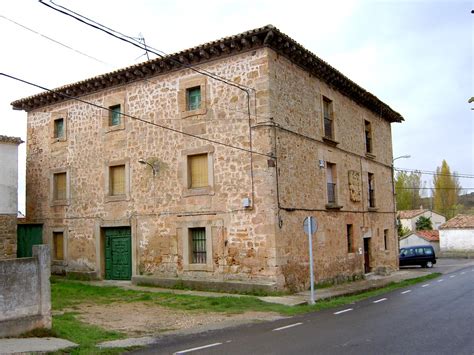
pixel 423 255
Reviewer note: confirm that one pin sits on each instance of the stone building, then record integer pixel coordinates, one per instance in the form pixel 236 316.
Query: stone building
pixel 162 171
pixel 8 195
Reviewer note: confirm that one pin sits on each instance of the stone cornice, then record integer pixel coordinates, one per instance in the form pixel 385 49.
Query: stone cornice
pixel 267 36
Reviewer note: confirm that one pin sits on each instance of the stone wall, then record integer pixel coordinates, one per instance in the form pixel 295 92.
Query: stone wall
pixel 160 208
pixel 8 236
pixel 25 294
pixel 262 244
pixel 296 106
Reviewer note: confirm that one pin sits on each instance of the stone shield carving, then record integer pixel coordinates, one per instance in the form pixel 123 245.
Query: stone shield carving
pixel 355 189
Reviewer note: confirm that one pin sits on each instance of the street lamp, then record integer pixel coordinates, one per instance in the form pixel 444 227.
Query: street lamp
pixel 154 167
pixel 401 157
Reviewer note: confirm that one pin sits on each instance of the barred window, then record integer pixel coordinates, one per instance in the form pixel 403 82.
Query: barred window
pixel 198 245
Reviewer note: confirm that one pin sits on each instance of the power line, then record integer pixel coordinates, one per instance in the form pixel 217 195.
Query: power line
pixel 136 118
pixel 428 172
pixel 133 41
pixel 55 41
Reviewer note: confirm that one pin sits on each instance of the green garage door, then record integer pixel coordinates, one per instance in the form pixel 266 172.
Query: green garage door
pixel 27 236
pixel 118 257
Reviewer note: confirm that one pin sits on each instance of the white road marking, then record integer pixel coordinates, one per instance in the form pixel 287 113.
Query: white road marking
pixel 344 311
pixel 462 273
pixel 287 326
pixel 406 292
pixel 452 276
pixel 440 280
pixel 198 348
pixel 425 285
pixel 380 300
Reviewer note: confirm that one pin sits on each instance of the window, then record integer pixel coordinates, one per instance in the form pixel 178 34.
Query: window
pixel 117 180
pixel 59 128
pixel 193 98
pixel 368 137
pixel 58 245
pixel 385 238
pixel 349 234
pixel 331 182
pixel 198 171
pixel 328 118
pixel 59 186
pixel 115 115
pixel 371 190
pixel 198 245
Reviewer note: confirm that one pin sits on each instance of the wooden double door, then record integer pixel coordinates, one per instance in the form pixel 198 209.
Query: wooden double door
pixel 118 253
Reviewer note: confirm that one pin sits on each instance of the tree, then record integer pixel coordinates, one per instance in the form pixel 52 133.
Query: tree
pixel 407 189
pixel 423 223
pixel 446 191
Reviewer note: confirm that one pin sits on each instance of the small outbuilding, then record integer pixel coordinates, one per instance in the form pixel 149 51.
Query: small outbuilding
pixel 456 236
pixel 425 237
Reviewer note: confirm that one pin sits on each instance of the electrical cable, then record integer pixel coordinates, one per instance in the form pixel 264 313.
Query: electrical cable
pixel 428 172
pixel 55 41
pixel 138 44
pixel 136 118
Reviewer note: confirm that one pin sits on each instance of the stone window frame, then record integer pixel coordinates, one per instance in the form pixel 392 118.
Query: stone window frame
pixel 185 236
pixel 54 117
pixel 350 238
pixel 62 230
pixel 67 200
pixel 386 237
pixel 368 131
pixel 126 195
pixel 329 140
pixel 111 101
pixel 208 190
pixel 189 83
pixel 334 174
pixel 371 183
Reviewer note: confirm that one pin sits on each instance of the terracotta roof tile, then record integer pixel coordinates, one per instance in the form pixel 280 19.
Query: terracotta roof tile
pixel 409 214
pixel 8 139
pixel 429 236
pixel 267 36
pixel 460 221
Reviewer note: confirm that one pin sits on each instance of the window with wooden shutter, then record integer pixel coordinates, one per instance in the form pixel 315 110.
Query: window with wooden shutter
pixel 59 128
pixel 117 180
pixel 58 245
pixel 59 186
pixel 193 98
pixel 115 115
pixel 198 171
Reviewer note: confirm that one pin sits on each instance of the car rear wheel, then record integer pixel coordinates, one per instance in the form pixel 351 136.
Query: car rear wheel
pixel 429 264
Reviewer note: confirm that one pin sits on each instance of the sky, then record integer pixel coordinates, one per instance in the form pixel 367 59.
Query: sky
pixel 416 56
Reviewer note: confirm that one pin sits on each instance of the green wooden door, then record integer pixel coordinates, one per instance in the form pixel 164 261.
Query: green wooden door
pixel 27 236
pixel 118 256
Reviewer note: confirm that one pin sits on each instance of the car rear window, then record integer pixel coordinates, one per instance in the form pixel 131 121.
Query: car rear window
pixel 428 251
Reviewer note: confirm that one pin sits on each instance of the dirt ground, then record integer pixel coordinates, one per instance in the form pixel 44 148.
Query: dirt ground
pixel 141 319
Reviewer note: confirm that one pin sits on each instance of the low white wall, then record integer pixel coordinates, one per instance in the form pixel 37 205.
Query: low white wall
pixel 25 293
pixel 459 241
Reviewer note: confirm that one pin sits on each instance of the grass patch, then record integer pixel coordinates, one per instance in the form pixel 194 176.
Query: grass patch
pixel 66 326
pixel 69 294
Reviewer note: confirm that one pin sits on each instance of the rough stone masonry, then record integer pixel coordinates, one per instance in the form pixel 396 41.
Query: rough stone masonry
pixel 312 143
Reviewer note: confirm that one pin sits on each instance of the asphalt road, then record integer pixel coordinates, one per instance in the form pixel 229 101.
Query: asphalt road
pixel 436 317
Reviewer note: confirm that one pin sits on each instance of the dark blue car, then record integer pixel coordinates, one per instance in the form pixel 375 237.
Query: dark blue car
pixel 423 255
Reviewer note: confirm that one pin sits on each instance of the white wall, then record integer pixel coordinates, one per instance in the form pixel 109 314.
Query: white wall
pixel 436 220
pixel 456 240
pixel 8 178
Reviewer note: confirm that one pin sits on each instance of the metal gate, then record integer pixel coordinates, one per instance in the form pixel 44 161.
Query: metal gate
pixel 118 256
